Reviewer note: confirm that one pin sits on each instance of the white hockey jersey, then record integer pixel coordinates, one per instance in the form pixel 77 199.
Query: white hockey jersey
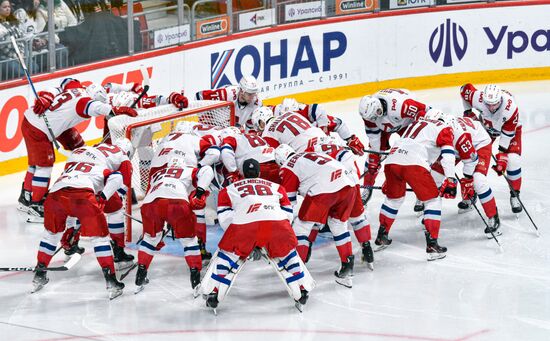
pixel 422 143
pixel 312 174
pixel 339 153
pixel 235 150
pixel 401 110
pixel 503 122
pixel 190 148
pixel 177 182
pixel 252 200
pixel 68 109
pixel 292 129
pixel 243 113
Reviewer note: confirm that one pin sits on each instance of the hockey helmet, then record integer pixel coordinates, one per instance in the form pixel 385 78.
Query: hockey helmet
pixel 492 97
pixel 260 117
pixel 289 104
pixel 249 84
pixel 126 146
pixel 370 108
pixel 97 93
pixel 185 127
pixel 124 99
pixel 230 132
pixel 282 153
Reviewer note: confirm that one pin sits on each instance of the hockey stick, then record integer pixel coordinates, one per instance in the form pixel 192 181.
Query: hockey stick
pixel 380 188
pixel 24 66
pixel 375 152
pixel 517 196
pixel 146 79
pixel 72 261
pixel 487 225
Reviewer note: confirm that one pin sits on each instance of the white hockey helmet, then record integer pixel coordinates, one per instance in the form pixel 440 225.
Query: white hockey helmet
pixel 176 162
pixel 124 99
pixel 370 108
pixel 260 117
pixel 97 93
pixel 282 153
pixel 126 146
pixel 249 84
pixel 185 127
pixel 435 115
pixel 230 132
pixel 492 97
pixel 289 104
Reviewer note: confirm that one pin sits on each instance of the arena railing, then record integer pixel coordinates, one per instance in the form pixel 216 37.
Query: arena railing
pixel 182 23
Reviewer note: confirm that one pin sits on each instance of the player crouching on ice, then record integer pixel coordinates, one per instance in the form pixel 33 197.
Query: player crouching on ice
pixel 255 214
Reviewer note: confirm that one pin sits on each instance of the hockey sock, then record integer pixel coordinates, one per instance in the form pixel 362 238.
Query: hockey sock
pixel 313 234
pixel 147 248
pixel 192 252
pixel 432 216
pixel 200 226
pixel 302 229
pixel 40 183
pixel 104 253
pixel 47 247
pixel 361 228
pixel 513 171
pixel 343 245
pixel 485 195
pixel 115 221
pixel 27 184
pixel 388 212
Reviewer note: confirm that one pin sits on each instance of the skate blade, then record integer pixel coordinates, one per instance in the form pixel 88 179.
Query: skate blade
pixel 370 266
pixel 37 288
pixel 436 256
pixel 114 294
pixel 347 282
pixel 465 210
pixel 23 208
pixel 139 289
pixel 197 291
pixel 379 247
pixel 35 220
pixel 124 266
pixel 299 306
pixel 215 311
pixel 496 233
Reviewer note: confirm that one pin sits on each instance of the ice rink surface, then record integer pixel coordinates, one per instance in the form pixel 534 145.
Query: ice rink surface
pixel 475 293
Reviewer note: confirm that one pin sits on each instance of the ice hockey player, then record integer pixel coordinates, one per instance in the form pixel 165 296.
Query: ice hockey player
pixel 73 105
pixel 409 163
pixel 114 158
pixel 128 93
pixel 473 147
pixel 386 112
pixel 193 151
pixel 81 191
pixel 174 192
pixel 358 218
pixel 329 195
pixel 244 95
pixel 318 117
pixel 238 147
pixel 499 113
pixel 289 128
pixel 255 214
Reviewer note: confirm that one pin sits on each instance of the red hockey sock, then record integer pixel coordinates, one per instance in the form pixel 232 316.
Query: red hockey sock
pixel 44 258
pixel 313 235
pixel 194 261
pixel 145 258
pixel 27 184
pixel 432 226
pixel 490 208
pixel 363 234
pixel 302 251
pixel 344 251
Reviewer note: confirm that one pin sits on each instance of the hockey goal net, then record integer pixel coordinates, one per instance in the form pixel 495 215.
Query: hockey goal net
pixel 150 126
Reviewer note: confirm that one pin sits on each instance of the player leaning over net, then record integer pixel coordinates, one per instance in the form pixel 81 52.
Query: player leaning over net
pixel 255 213
pixel 409 163
pixel 499 113
pixel 244 96
pixel 63 108
pixel 82 191
pixel 386 112
pixel 174 192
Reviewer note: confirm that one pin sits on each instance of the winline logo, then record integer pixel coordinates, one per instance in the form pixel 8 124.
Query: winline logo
pixel 352 4
pixel 447 38
pixel 211 27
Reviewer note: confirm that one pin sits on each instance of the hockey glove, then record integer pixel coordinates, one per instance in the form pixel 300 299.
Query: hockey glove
pixel 70 238
pixel 101 200
pixel 125 111
pixel 448 188
pixel 355 145
pixel 502 163
pixel 43 102
pixel 372 169
pixel 137 88
pixel 467 188
pixel 198 201
pixel 470 114
pixel 233 176
pixel 178 100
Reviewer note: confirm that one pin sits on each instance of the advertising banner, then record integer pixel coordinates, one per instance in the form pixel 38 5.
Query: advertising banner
pixel 353 6
pixel 397 4
pixel 212 27
pixel 257 19
pixel 172 36
pixel 305 10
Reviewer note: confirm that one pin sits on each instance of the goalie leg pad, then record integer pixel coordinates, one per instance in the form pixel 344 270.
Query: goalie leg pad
pixel 221 274
pixel 293 273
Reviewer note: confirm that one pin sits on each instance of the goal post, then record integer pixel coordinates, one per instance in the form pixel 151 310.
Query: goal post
pixel 150 126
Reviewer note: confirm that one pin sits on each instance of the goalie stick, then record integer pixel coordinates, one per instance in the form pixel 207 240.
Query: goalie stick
pixel 24 66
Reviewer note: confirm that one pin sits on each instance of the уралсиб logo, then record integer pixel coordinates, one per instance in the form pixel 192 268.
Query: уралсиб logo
pixel 447 38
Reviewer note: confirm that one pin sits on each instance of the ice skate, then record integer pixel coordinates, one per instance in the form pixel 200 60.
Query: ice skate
pixel 367 255
pixel 40 278
pixel 35 213
pixel 345 274
pixel 433 249
pixel 212 301
pixel 514 202
pixel 418 208
pixel 141 278
pixel 205 255
pixel 466 206
pixel 24 200
pixel 195 277
pixel 382 240
pixel 123 261
pixel 114 287
pixel 493 228
pixel 299 304
pixel 366 195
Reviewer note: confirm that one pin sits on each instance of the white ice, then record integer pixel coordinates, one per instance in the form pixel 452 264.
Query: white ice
pixel 475 293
